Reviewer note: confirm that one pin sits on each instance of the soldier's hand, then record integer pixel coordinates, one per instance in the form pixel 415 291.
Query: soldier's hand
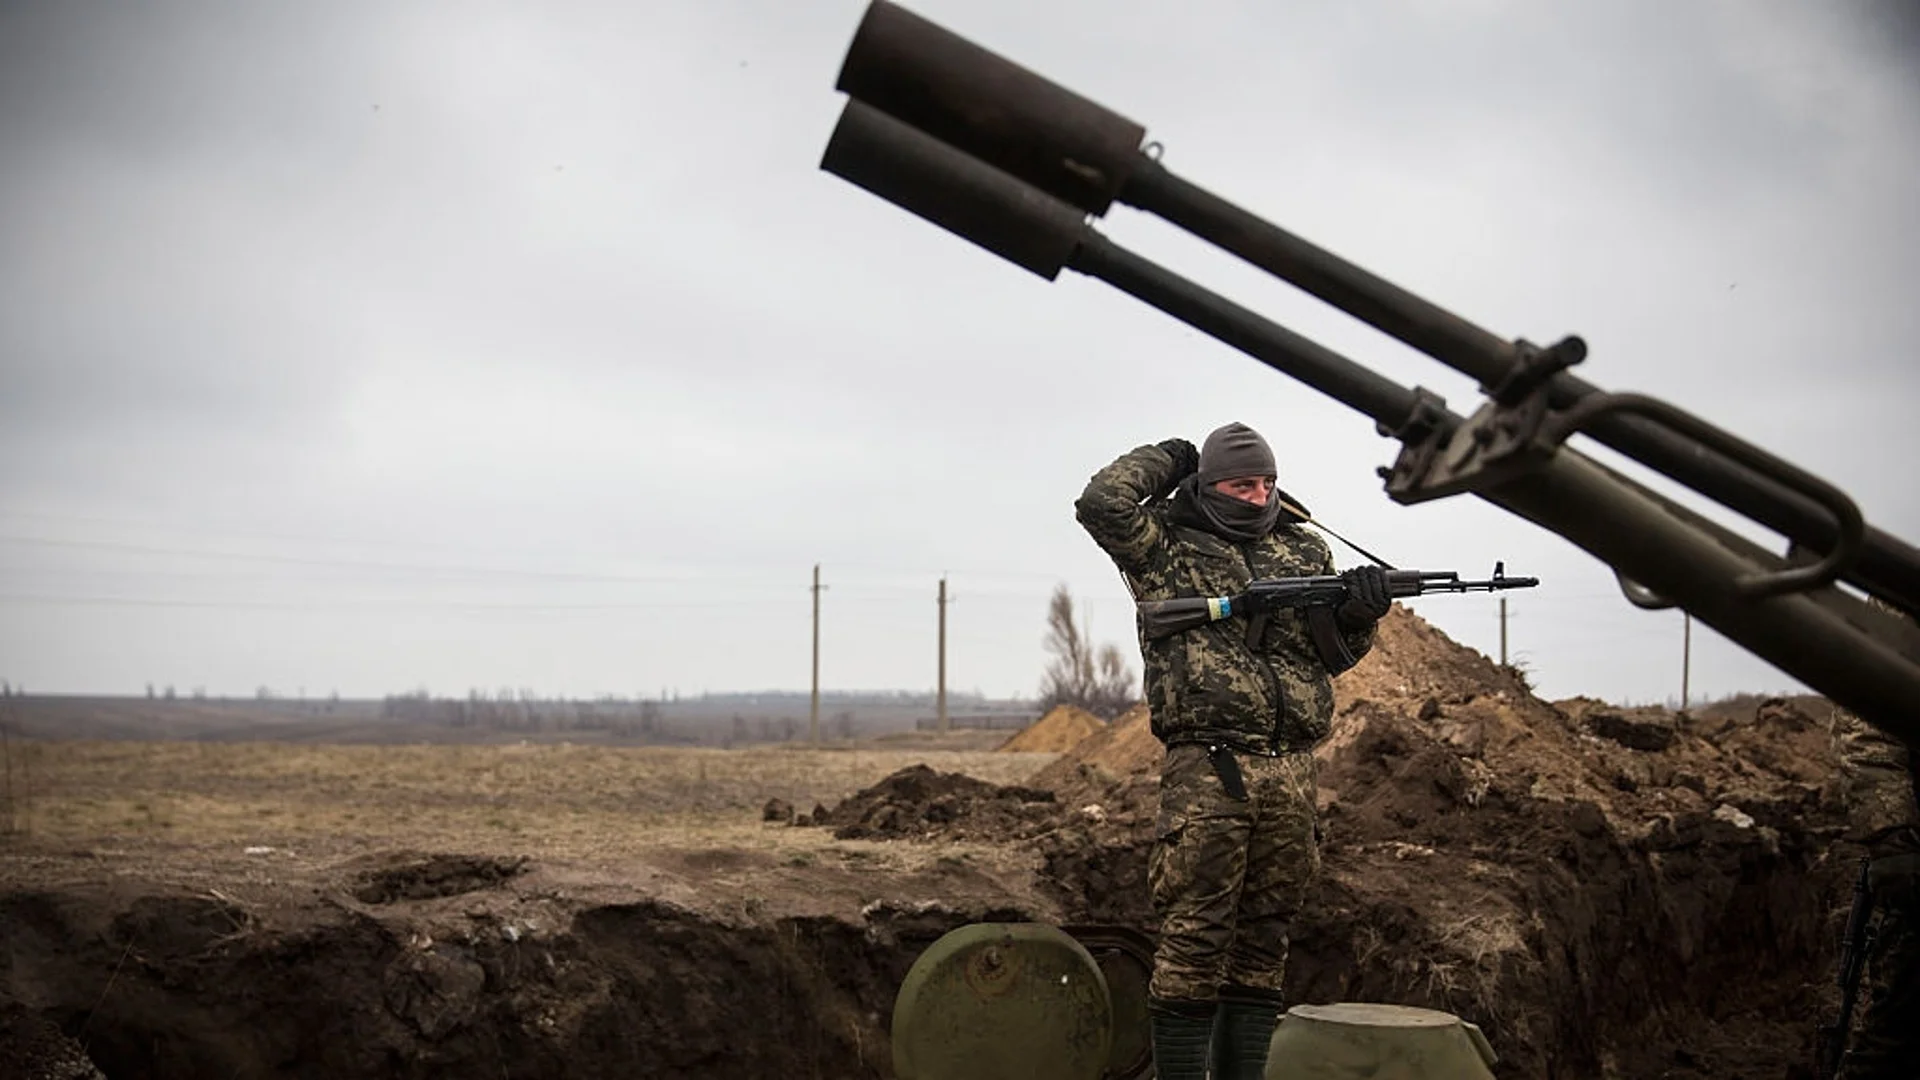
pixel 1186 459
pixel 1367 598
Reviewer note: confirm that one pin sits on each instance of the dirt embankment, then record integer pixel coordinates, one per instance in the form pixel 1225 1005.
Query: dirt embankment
pixel 1608 892
pixel 454 966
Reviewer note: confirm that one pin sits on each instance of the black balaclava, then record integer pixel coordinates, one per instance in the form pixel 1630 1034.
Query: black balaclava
pixel 1231 452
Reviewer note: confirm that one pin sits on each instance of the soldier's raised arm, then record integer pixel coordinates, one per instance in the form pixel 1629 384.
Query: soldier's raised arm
pixel 1111 509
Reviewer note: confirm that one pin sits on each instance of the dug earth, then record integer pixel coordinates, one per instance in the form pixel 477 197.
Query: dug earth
pixel 1607 892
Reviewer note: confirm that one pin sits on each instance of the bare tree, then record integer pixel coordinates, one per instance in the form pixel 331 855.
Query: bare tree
pixel 1098 681
pixel 1069 675
pixel 1112 692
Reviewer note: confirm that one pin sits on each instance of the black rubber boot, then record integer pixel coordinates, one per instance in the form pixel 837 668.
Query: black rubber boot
pixel 1182 1034
pixel 1246 1021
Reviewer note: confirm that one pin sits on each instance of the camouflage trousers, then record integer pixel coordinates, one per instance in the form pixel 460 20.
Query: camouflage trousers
pixel 1228 875
pixel 1886 1042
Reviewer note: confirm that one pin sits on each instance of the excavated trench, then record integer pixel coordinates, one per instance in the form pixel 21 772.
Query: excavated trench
pixel 1693 952
pixel 1661 899
pixel 1608 893
pixel 189 986
pixel 1604 956
pixel 1589 942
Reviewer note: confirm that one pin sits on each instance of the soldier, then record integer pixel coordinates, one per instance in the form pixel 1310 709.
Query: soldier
pixel 1880 774
pixel 1239 705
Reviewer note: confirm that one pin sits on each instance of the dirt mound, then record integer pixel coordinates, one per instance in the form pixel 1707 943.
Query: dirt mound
pixel 1595 904
pixel 1412 661
pixel 1608 891
pixel 1122 749
pixel 1623 889
pixel 918 803
pixel 1063 728
pixel 425 878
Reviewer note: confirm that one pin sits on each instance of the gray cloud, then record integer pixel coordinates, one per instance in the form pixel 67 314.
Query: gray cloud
pixel 561 291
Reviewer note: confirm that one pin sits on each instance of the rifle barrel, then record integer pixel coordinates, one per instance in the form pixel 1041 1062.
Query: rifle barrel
pixel 1491 585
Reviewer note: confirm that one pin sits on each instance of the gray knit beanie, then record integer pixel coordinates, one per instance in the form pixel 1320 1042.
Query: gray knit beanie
pixel 1235 451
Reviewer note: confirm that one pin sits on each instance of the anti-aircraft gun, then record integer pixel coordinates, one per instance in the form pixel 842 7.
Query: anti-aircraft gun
pixel 1019 165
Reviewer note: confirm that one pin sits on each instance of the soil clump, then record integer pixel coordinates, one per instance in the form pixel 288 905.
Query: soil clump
pixel 920 803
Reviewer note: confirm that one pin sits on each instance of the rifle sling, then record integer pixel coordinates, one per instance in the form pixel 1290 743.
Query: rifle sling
pixel 1328 641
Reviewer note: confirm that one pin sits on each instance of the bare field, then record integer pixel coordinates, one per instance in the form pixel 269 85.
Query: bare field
pixel 577 803
pixel 324 909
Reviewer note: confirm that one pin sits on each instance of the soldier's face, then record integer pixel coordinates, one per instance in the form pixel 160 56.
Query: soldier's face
pixel 1254 489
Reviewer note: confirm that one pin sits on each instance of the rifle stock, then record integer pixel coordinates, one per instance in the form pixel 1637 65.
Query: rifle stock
pixel 1164 618
pixel 1853 957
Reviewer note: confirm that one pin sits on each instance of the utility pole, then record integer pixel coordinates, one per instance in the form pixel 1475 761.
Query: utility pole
pixel 941 709
pixel 1686 656
pixel 6 755
pixel 1503 631
pixel 813 712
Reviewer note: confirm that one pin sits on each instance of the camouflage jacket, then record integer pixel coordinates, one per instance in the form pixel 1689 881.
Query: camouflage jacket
pixel 1877 778
pixel 1269 696
pixel 1878 774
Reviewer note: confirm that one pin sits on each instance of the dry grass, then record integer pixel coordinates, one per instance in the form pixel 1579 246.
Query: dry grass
pixel 1476 950
pixel 556 800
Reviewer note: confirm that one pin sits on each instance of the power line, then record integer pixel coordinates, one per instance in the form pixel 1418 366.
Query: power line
pixel 293 560
pixel 679 577
pixel 723 568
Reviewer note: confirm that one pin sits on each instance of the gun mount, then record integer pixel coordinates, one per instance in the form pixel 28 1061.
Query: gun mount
pixel 1019 165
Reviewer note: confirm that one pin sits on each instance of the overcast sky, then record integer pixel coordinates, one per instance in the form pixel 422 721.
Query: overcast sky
pixel 367 346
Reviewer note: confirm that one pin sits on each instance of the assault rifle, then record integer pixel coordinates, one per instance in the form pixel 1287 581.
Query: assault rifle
pixel 1163 618
pixel 1853 956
